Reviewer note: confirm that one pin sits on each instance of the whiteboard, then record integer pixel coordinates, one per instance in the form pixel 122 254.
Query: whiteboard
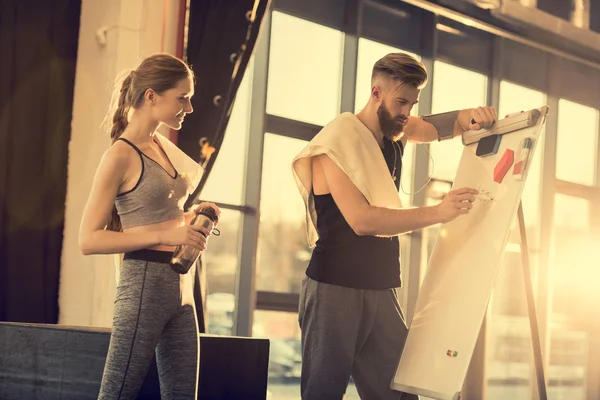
pixel 460 277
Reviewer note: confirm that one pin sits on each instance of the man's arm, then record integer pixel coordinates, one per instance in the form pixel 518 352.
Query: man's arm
pixel 366 219
pixel 427 129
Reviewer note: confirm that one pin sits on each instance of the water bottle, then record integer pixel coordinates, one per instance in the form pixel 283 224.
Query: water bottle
pixel 185 256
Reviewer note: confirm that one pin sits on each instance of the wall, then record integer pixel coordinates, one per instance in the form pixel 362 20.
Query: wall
pixel 134 29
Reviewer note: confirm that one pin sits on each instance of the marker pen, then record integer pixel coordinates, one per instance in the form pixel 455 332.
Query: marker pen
pixel 523 159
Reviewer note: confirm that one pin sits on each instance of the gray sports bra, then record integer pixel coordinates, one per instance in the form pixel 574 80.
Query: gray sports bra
pixel 157 196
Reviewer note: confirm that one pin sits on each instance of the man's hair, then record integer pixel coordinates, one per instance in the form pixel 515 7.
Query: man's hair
pixel 401 67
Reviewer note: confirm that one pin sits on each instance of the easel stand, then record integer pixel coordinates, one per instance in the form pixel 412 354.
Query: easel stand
pixel 533 321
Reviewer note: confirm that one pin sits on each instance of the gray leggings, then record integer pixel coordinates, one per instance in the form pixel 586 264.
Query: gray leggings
pixel 154 310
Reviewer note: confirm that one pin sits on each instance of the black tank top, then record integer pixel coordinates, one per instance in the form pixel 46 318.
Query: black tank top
pixel 343 258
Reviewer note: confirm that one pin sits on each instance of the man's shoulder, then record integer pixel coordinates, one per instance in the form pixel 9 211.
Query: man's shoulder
pixel 339 126
pixel 346 118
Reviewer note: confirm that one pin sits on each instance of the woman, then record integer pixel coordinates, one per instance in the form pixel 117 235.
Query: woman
pixel 136 207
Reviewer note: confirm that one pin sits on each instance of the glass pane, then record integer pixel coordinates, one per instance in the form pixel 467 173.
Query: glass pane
pixel 226 180
pixel 283 251
pixel 571 213
pixel 576 143
pixel 368 53
pixel 515 98
pixel 221 266
pixel 574 258
pixel 509 338
pixel 509 367
pixel 575 274
pixel 569 357
pixel 304 79
pixel 285 357
pixel 451 93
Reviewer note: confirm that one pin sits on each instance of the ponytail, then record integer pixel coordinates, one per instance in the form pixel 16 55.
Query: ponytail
pixel 119 119
pixel 119 123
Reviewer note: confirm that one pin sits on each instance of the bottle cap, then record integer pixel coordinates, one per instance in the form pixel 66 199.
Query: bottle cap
pixel 210 213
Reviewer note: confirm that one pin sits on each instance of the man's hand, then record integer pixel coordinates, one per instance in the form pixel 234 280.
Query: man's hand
pixel 481 118
pixel 457 202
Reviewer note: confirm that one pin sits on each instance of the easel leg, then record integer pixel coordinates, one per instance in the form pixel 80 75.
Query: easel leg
pixel 535 333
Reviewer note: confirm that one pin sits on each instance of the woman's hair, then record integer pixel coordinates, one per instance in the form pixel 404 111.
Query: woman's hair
pixel 159 72
pixel 401 67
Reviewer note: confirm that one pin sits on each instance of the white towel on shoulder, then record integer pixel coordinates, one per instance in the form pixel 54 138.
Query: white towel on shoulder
pixel 352 146
pixel 189 169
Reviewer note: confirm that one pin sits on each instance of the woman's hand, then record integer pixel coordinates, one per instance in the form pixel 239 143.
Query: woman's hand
pixel 195 236
pixel 205 204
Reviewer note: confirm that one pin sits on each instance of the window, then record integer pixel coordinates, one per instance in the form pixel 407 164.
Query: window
pixel 515 98
pixel 304 80
pixel 221 261
pixel 509 362
pixel 509 336
pixel 569 358
pixel 283 251
pixel 576 143
pixel 508 368
pixel 454 88
pixel 575 254
pixel 225 183
pixel 574 267
pixel 571 213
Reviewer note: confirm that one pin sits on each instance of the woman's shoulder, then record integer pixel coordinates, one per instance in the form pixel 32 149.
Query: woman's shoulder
pixel 121 149
pixel 119 154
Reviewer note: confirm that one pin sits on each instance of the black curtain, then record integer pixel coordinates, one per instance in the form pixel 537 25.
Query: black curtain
pixel 558 8
pixel 221 38
pixel 38 50
pixel 595 16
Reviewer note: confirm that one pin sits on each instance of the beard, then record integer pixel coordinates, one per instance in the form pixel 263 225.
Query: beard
pixel 392 127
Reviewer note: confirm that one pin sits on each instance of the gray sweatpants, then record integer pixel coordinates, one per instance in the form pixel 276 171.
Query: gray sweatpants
pixel 350 332
pixel 154 310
